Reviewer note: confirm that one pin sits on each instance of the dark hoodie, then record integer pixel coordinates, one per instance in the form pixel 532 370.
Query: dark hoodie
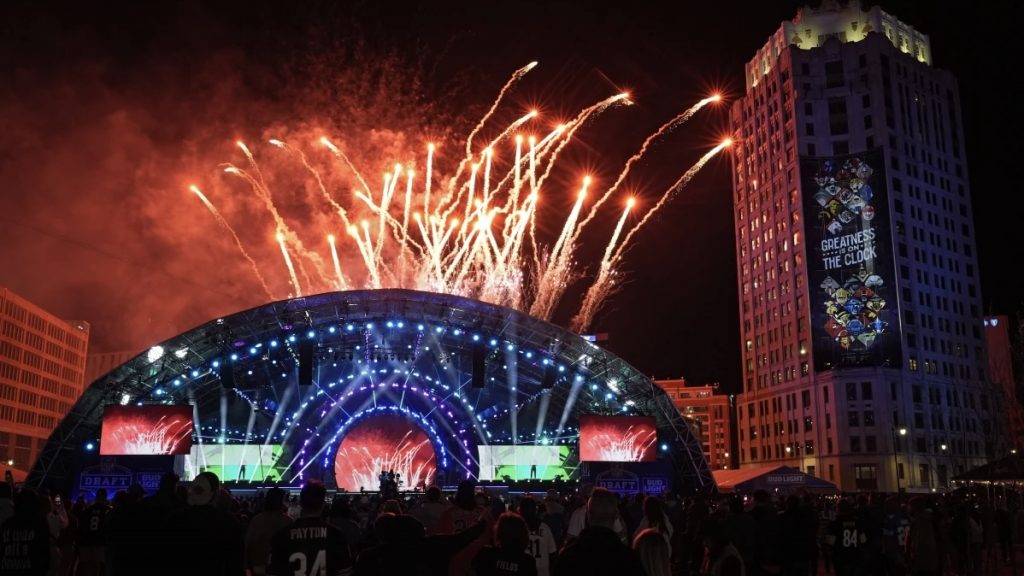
pixel 598 552
pixel 922 543
pixel 405 549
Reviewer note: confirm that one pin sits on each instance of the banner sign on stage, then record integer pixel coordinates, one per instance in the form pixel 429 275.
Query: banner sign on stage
pixel 625 478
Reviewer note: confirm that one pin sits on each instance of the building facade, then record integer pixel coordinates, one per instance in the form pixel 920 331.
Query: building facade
pixel 711 413
pixel 42 374
pixel 1000 369
pixel 860 302
pixel 99 364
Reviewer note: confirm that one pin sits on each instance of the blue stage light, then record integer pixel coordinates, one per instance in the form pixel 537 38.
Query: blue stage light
pixel 90 446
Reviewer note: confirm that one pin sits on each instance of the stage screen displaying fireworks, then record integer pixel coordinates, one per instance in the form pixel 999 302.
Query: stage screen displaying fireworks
pixel 385 442
pixel 233 462
pixel 523 462
pixel 617 439
pixel 146 430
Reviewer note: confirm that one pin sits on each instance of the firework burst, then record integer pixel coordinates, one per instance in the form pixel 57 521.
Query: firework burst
pixel 472 233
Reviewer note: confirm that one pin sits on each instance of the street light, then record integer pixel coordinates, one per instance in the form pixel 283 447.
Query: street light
pixel 895 460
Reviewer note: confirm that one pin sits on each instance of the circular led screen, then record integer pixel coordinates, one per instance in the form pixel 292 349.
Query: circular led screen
pixel 385 443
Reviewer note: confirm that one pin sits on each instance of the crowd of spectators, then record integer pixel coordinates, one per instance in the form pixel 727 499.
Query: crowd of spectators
pixel 202 528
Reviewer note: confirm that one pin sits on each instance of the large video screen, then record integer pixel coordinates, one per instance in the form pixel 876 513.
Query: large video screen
pixel 523 462
pixel 618 439
pixel 385 442
pixel 850 266
pixel 146 430
pixel 233 462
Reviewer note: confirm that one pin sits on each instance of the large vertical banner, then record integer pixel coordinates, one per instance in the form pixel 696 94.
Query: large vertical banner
pixel 850 265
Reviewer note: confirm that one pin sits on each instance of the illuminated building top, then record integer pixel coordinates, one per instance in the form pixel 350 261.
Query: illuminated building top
pixel 812 27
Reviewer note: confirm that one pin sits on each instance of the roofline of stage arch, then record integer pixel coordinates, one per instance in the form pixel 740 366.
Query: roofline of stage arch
pixel 138 376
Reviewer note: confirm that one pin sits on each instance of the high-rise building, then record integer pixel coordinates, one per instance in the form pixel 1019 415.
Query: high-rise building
pixel 42 374
pixel 712 414
pixel 859 295
pixel 1000 369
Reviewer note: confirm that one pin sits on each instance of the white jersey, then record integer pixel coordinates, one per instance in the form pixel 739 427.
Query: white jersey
pixel 578 521
pixel 542 546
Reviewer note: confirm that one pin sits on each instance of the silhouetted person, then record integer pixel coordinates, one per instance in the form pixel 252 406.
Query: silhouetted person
pixel 25 538
pixel 406 550
pixel 92 536
pixel 309 545
pixel 204 539
pixel 507 558
pixel 653 551
pixel 261 531
pixel 598 551
pixel 430 510
pixel 542 541
pixel 847 537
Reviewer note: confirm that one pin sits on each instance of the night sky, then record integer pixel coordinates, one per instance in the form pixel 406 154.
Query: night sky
pixel 110 110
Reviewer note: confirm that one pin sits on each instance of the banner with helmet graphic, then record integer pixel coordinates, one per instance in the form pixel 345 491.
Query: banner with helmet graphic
pixel 850 265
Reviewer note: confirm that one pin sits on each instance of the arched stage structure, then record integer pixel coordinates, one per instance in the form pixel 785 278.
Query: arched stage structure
pixel 298 381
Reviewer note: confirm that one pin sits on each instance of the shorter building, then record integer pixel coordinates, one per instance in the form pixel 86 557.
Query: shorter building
pixel 711 412
pixel 1000 369
pixel 42 374
pixel 100 364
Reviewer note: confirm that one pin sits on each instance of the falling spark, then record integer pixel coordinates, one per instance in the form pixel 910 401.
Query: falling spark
pixel 224 224
pixel 671 192
pixel 342 285
pixel 288 262
pixel 665 128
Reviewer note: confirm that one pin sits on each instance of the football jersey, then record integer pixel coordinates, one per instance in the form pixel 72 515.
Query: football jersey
pixel 542 546
pixel 894 532
pixel 309 547
pixel 457 519
pixel 848 537
pixel 92 526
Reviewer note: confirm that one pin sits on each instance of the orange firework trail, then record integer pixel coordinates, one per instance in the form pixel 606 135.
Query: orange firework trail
pixel 663 130
pixel 670 193
pixel 220 220
pixel 477 236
